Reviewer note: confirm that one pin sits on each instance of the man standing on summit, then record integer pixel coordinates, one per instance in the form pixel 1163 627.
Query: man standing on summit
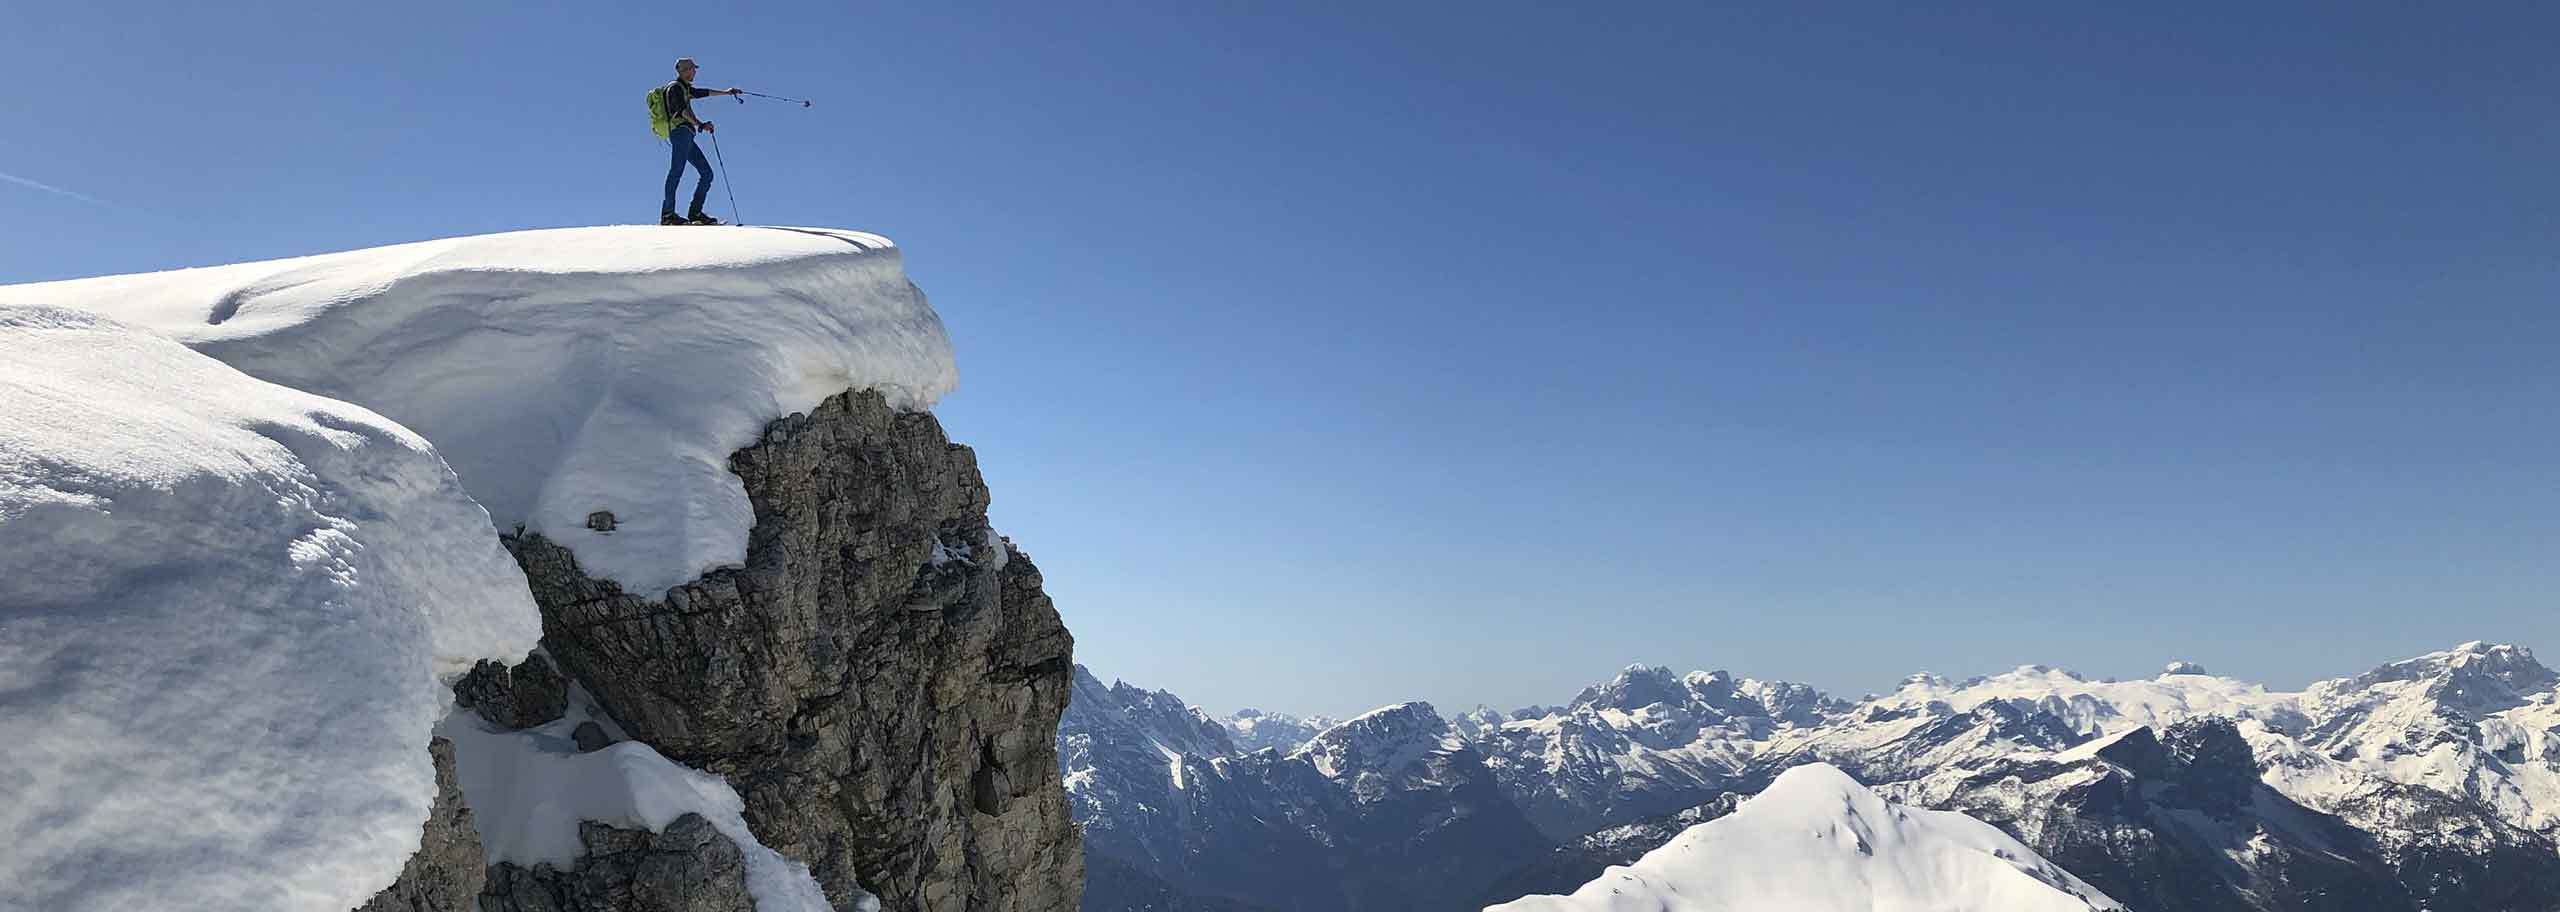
pixel 677 100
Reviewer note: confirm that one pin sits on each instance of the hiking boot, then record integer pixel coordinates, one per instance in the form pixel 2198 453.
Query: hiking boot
pixel 700 219
pixel 669 218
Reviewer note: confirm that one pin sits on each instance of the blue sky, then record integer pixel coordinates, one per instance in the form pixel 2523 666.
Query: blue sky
pixel 1327 355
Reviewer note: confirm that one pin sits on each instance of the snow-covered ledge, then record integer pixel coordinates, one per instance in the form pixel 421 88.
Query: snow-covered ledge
pixel 573 371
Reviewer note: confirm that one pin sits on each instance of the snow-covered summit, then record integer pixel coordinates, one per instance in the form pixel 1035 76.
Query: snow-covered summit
pixel 1255 729
pixel 224 609
pixel 1382 740
pixel 2474 677
pixel 2098 707
pixel 570 371
pixel 1817 840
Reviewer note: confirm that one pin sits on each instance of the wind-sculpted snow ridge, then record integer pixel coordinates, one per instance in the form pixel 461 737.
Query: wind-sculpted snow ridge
pixel 571 371
pixel 1815 840
pixel 224 610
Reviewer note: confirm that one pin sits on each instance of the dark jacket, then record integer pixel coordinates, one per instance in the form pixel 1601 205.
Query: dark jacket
pixel 679 102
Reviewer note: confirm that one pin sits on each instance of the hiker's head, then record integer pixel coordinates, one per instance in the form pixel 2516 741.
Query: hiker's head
pixel 684 68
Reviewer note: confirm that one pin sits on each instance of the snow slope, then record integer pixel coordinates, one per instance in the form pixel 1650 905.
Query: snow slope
pixel 1815 841
pixel 224 609
pixel 567 371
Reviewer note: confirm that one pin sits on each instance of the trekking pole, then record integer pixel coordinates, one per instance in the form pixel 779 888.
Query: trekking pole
pixel 726 184
pixel 803 102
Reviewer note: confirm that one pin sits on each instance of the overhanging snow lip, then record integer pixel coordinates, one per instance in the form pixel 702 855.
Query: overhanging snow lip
pixel 567 370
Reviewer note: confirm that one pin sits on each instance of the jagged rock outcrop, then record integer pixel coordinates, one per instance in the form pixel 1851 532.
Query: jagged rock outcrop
pixel 881 680
pixel 522 695
pixel 687 867
pixel 449 867
pixel 2178 821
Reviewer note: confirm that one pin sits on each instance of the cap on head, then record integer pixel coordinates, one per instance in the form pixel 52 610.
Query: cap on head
pixel 684 63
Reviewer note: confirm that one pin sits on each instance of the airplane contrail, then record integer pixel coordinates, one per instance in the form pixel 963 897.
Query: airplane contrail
pixel 49 188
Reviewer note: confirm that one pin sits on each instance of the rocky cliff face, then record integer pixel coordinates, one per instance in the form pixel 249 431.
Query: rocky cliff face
pixel 880 681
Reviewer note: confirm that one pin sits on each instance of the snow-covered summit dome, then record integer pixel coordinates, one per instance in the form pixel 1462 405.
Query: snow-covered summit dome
pixel 568 372
pixel 1815 840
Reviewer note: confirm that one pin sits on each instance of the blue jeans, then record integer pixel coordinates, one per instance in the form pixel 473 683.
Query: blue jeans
pixel 680 140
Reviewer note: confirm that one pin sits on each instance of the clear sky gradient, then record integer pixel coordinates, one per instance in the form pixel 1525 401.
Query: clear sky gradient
pixel 1328 355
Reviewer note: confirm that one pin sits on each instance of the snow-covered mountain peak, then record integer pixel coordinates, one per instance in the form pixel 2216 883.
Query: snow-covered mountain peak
pixel 1159 717
pixel 2473 679
pixel 1635 687
pixel 1255 729
pixel 2102 707
pixel 1383 740
pixel 1815 840
pixel 569 372
pixel 2182 668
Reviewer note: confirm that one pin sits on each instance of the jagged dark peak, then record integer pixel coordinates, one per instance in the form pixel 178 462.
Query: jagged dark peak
pixel 2182 668
pixel 1159 715
pixel 2211 767
pixel 2138 751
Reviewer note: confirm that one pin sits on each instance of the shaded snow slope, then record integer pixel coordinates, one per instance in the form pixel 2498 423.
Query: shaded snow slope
pixel 1816 840
pixel 224 608
pixel 568 371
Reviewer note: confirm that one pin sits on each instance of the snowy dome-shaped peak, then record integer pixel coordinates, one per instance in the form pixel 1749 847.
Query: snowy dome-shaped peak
pixel 2183 668
pixel 1817 841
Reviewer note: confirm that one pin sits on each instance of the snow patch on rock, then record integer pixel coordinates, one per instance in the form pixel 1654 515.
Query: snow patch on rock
pixel 529 789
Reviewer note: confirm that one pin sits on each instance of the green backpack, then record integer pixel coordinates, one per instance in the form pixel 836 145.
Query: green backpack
pixel 658 123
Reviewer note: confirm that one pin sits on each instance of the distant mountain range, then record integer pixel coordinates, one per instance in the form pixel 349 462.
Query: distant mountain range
pixel 2429 783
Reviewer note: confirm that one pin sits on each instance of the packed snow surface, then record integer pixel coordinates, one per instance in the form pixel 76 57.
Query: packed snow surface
pixel 224 608
pixel 528 791
pixel 570 371
pixel 1817 841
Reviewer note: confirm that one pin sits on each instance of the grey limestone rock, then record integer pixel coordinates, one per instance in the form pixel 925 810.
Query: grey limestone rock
pixel 447 870
pixel 590 737
pixel 688 867
pixel 905 751
pixel 527 694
